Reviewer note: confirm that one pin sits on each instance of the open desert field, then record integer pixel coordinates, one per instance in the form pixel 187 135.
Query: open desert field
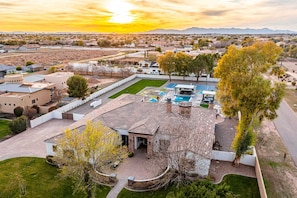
pixel 50 57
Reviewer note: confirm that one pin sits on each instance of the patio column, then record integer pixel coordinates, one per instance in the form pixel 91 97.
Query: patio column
pixel 149 149
pixel 131 143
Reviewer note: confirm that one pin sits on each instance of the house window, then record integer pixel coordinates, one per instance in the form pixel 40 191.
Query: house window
pixel 55 148
pixel 33 101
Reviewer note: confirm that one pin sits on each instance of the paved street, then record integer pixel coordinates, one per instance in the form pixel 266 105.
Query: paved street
pixel 286 124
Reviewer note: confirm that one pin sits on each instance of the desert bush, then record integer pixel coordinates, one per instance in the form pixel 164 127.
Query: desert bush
pixel 18 68
pixel 30 112
pixel 18 111
pixel 18 125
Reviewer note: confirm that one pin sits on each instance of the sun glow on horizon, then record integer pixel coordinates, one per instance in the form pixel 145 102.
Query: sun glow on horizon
pixel 120 10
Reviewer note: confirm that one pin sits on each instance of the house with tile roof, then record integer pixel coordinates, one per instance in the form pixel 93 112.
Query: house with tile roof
pixel 181 131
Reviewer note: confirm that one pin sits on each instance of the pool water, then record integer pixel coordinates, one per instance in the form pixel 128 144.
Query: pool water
pixel 181 98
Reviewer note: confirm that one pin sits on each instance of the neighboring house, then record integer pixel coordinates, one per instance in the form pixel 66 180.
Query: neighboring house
pixel 158 127
pixel 34 68
pixel 30 47
pixel 4 69
pixel 59 79
pixel 144 63
pixel 17 93
pixel 10 48
pixel 34 78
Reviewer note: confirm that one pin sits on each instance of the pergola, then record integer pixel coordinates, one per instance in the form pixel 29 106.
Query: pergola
pixel 182 89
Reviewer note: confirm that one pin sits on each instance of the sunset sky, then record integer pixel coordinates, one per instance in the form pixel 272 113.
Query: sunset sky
pixel 128 16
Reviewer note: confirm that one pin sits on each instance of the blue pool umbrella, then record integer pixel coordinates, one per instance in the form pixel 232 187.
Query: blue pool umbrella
pixel 161 93
pixel 153 100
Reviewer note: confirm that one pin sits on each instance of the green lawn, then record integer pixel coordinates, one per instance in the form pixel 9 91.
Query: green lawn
pixel 244 186
pixel 4 129
pixel 137 87
pixel 39 179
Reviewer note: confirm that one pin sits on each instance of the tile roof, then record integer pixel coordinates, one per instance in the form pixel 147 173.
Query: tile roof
pixel 195 134
pixel 147 126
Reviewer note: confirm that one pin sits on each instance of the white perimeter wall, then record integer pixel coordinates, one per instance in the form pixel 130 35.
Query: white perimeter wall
pixel 57 114
pixel 249 160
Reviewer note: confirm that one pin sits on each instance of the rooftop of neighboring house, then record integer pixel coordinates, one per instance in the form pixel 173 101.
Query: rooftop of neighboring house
pixel 25 88
pixel 60 74
pixel 13 95
pixel 33 78
pixel 5 67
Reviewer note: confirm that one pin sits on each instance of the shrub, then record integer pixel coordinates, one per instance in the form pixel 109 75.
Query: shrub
pixel 204 105
pixel 52 69
pixel 18 125
pixel 30 112
pixel 130 154
pixel 29 63
pixel 294 83
pixel 18 111
pixel 18 68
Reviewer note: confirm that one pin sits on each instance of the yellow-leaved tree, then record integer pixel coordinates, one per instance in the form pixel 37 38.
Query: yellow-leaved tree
pixel 243 88
pixel 84 152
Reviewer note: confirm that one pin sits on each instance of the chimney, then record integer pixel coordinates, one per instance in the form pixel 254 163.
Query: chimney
pixel 184 109
pixel 169 105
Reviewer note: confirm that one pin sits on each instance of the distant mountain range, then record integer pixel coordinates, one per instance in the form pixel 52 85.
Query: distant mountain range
pixel 196 30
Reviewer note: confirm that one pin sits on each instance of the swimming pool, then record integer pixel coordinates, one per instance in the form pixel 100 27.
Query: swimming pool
pixel 181 98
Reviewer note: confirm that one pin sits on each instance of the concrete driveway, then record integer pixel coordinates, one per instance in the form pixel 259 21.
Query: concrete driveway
pixel 31 142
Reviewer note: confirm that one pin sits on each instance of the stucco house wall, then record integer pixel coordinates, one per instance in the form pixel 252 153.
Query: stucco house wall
pixel 201 164
pixel 9 101
pixel 58 78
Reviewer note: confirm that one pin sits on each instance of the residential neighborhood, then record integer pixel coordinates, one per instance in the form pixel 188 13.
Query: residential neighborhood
pixel 177 121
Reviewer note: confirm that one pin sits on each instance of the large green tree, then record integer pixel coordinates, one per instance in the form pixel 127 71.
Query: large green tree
pixel 77 86
pixel 182 62
pixel 243 88
pixel 167 63
pixel 201 63
pixel 82 153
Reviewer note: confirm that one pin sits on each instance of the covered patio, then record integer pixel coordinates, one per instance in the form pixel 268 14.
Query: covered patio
pixel 182 89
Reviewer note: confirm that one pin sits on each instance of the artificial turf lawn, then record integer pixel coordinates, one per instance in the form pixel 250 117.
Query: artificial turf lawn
pixel 4 128
pixel 137 87
pixel 38 178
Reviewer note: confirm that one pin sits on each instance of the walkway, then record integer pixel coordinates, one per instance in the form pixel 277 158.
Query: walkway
pixel 113 193
pixel 218 169
pixel 138 166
